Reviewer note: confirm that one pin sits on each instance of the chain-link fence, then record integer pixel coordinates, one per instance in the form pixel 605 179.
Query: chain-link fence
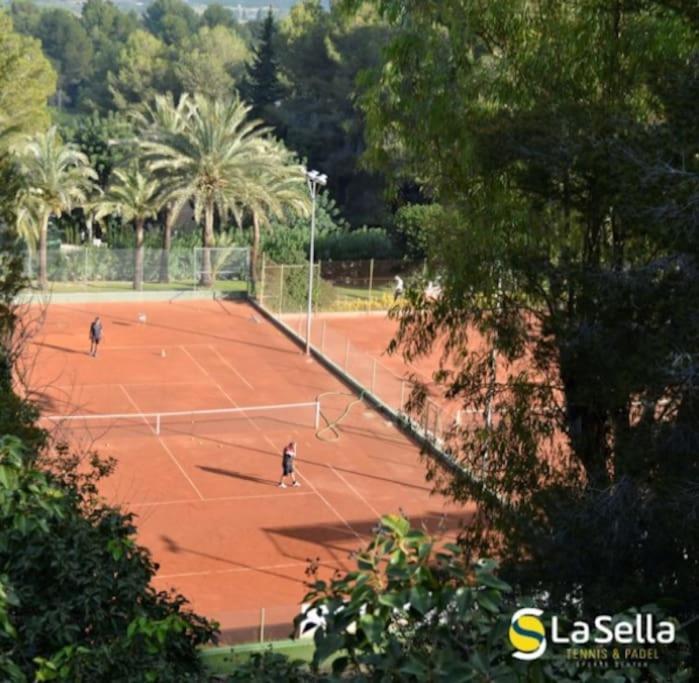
pixel 339 286
pixel 78 269
pixel 354 286
pixel 257 625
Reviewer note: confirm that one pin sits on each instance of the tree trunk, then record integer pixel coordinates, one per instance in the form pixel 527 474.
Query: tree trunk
pixel 255 252
pixel 138 257
pixel 207 240
pixel 43 251
pixel 170 216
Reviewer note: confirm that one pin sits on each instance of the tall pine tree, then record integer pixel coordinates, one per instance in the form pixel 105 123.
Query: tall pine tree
pixel 261 87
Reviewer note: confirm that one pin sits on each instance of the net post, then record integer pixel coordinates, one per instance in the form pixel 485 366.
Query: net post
pixel 317 415
pixel 373 375
pixel 262 624
pixel 157 424
pixel 371 282
pixel 402 396
pixel 347 351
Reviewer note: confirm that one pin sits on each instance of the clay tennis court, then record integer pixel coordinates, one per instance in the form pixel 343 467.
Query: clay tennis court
pixel 205 490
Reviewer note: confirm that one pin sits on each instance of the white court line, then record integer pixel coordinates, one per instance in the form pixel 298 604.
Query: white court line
pixel 213 500
pixel 225 362
pixel 128 384
pixel 220 388
pixel 275 446
pixel 320 495
pixel 165 448
pixel 232 570
pixel 136 347
pixel 356 493
pixel 138 410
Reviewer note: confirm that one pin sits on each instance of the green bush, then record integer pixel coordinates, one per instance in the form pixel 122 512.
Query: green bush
pixel 286 245
pixel 82 606
pixel 290 245
pixel 363 244
pixel 296 291
pixel 414 610
pixel 413 225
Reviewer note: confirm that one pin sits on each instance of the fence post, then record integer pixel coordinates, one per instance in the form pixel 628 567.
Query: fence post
pixel 261 298
pixel 371 282
pixel 322 337
pixel 194 267
pixel 262 624
pixel 85 265
pixel 317 301
pixel 373 375
pixel 347 350
pixel 281 287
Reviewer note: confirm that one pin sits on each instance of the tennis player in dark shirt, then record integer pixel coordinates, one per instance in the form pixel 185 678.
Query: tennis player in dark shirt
pixel 95 335
pixel 288 457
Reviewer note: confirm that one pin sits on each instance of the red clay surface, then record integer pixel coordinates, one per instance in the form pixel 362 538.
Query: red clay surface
pixel 369 337
pixel 206 498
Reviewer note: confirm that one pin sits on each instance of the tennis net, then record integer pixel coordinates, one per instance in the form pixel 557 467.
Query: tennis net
pixel 267 418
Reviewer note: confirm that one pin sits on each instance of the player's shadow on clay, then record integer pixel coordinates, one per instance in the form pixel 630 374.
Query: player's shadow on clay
pixel 237 475
pixel 65 349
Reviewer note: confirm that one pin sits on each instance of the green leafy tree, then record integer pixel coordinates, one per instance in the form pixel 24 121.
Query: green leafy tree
pixel 218 15
pixel 134 198
pixel 143 70
pixel 261 87
pixel 58 178
pixel 76 595
pixel 566 175
pixel 66 43
pixel 415 225
pixel 321 55
pixel 96 617
pixel 25 16
pixel 27 80
pixel 211 62
pixel 108 29
pixel 415 610
pixel 17 413
pixel 287 241
pixel 104 140
pixel 171 21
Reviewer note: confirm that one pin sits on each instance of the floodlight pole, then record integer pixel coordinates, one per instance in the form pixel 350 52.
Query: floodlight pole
pixel 314 180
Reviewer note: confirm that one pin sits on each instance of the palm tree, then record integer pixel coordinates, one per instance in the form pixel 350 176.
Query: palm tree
pixel 157 122
pixel 58 177
pixel 276 192
pixel 216 160
pixel 135 199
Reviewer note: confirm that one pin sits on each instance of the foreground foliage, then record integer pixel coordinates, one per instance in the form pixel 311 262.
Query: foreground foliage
pixel 76 602
pixel 568 177
pixel 415 611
